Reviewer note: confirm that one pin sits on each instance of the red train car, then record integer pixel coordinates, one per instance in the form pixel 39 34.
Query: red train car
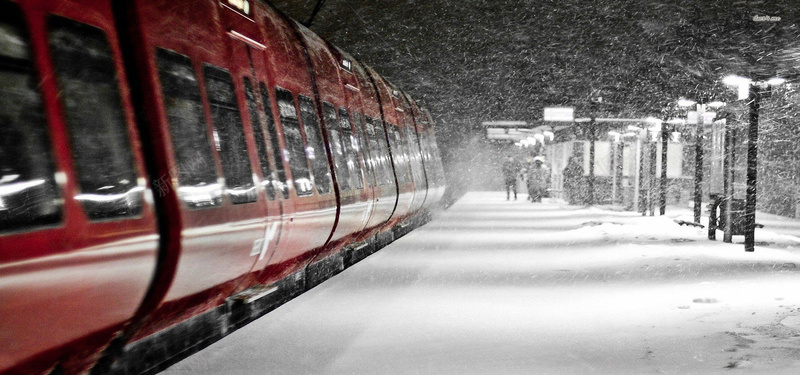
pixel 170 171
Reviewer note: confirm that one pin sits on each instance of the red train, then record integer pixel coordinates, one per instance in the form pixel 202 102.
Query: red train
pixel 170 170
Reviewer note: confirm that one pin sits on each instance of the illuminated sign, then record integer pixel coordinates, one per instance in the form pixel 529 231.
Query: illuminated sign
pixel 559 114
pixel 243 6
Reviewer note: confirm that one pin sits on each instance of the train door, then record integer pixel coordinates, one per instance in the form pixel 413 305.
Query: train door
pixel 259 111
pixel 360 145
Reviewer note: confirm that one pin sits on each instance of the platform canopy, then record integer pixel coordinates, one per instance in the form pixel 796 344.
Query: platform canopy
pixel 507 130
pixel 516 130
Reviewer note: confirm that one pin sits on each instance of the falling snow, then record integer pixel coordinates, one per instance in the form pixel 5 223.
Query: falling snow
pixel 504 287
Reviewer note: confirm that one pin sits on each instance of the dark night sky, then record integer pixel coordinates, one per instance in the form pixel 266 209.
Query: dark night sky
pixel 474 60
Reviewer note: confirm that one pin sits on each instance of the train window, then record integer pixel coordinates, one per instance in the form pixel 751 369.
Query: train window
pixel 377 150
pixel 366 153
pixel 383 158
pixel 315 149
pixel 258 134
pixel 229 136
pixel 197 175
pixel 349 136
pixel 337 147
pixel 398 153
pixel 298 162
pixel 413 153
pixel 279 178
pixel 89 93
pixel 376 154
pixel 29 196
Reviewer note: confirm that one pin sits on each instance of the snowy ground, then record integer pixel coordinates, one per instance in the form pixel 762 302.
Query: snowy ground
pixel 510 287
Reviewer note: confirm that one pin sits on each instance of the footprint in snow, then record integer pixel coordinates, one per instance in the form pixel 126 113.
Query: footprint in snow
pixel 705 300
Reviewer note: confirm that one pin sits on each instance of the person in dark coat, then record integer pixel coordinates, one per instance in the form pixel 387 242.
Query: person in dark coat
pixel 572 181
pixel 537 180
pixel 510 170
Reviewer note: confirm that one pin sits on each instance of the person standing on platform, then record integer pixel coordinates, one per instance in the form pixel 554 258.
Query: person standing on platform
pixel 572 181
pixel 524 173
pixel 510 170
pixel 538 180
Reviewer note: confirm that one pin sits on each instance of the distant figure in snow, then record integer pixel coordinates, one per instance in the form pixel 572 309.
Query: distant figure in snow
pixel 538 180
pixel 510 170
pixel 527 166
pixel 573 172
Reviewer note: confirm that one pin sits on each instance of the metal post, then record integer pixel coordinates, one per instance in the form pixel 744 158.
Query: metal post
pixel 614 181
pixel 592 136
pixel 651 199
pixel 637 183
pixel 642 161
pixel 727 180
pixel 619 172
pixel 752 169
pixel 664 142
pixel 698 164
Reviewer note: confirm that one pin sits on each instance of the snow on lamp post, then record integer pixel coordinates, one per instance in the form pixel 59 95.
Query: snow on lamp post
pixel 615 138
pixel 699 117
pixel 638 182
pixel 667 130
pixel 650 134
pixel 754 91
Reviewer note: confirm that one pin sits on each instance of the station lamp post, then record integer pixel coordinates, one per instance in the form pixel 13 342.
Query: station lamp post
pixel 754 91
pixel 701 106
pixel 667 127
pixel 616 165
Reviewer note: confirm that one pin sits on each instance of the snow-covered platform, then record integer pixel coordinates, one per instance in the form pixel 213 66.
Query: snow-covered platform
pixel 513 287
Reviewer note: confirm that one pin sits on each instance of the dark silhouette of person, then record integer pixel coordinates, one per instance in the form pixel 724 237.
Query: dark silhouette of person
pixel 572 181
pixel 510 170
pixel 537 180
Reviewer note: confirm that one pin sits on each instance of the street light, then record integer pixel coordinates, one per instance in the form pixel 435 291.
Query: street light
pixel 776 81
pixel 755 91
pixel 716 104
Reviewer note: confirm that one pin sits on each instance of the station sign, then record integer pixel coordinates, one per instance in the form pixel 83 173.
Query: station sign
pixel 506 134
pixel 563 114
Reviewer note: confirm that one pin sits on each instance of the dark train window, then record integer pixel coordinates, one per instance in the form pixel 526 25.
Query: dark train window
pixel 258 134
pixel 197 174
pixel 315 149
pixel 279 178
pixel 29 196
pixel 366 151
pixel 229 136
pixel 337 147
pixel 349 136
pixel 101 148
pixel 298 162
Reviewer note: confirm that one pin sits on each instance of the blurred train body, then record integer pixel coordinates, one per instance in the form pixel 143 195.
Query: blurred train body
pixel 171 170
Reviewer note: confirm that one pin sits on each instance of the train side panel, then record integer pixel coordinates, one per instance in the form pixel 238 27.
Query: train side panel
pixel 310 224
pixel 214 209
pixel 77 224
pixel 385 181
pixel 344 140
